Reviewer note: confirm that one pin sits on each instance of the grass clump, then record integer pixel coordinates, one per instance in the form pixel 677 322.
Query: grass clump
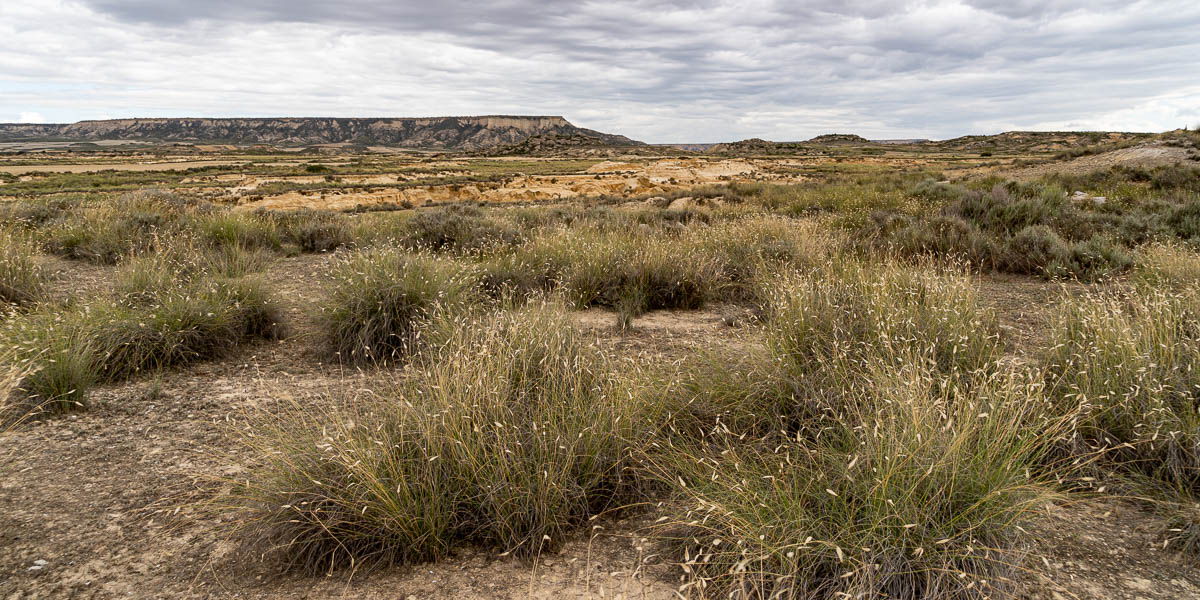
pixel 511 435
pixel 1173 266
pixel 915 488
pixel 312 231
pixel 114 339
pixel 833 322
pixel 457 228
pixel 379 301
pixel 632 271
pixel 242 230
pixel 22 279
pixel 1129 360
pixel 108 230
pixel 822 331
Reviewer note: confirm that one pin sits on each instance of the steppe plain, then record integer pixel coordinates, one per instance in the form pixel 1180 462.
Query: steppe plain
pixel 716 306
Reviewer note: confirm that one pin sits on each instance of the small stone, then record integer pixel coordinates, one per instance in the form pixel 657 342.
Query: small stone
pixel 1142 585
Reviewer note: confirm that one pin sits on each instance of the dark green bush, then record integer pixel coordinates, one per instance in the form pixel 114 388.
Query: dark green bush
pixel 945 236
pixel 1035 250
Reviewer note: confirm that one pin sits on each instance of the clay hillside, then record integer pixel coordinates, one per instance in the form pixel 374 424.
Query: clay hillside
pixel 442 133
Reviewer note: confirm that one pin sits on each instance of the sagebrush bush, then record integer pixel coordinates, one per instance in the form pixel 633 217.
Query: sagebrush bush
pixel 22 278
pixel 1036 250
pixel 511 435
pixel 1096 258
pixel 945 236
pixel 937 191
pixel 915 488
pixel 379 301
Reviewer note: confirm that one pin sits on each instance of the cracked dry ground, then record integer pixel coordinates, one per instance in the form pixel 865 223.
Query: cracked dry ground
pixel 96 504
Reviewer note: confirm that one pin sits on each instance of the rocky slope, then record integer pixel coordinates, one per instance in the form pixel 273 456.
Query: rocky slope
pixel 443 133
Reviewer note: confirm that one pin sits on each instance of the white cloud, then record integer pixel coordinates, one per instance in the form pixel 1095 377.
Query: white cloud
pixel 31 117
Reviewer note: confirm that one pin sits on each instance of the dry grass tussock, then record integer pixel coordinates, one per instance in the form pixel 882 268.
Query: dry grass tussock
pixel 511 433
pixel 174 307
pixel 22 278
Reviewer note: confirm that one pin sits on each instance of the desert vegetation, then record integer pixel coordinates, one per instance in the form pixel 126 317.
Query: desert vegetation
pixel 869 427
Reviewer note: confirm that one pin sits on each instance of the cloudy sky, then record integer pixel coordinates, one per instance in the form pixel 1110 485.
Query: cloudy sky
pixel 655 70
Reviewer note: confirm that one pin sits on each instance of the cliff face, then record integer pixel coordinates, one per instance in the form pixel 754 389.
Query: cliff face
pixel 445 133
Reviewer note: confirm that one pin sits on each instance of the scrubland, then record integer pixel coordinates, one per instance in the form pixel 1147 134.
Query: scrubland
pixel 874 428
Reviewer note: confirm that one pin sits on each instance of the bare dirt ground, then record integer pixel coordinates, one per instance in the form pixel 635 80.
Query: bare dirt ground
pixel 100 504
pixel 606 178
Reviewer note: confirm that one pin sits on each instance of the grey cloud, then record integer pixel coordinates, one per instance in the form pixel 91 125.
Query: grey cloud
pixel 655 69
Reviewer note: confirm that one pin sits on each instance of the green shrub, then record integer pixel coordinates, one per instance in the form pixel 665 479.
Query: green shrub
pixel 937 191
pixel 945 236
pixel 1176 177
pixel 510 436
pixel 1003 212
pixel 1185 220
pixel 1097 258
pixel 380 300
pixel 1036 250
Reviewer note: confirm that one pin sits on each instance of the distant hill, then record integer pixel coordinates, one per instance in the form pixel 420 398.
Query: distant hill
pixel 590 143
pixel 839 138
pixel 755 147
pixel 437 133
pixel 1038 141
